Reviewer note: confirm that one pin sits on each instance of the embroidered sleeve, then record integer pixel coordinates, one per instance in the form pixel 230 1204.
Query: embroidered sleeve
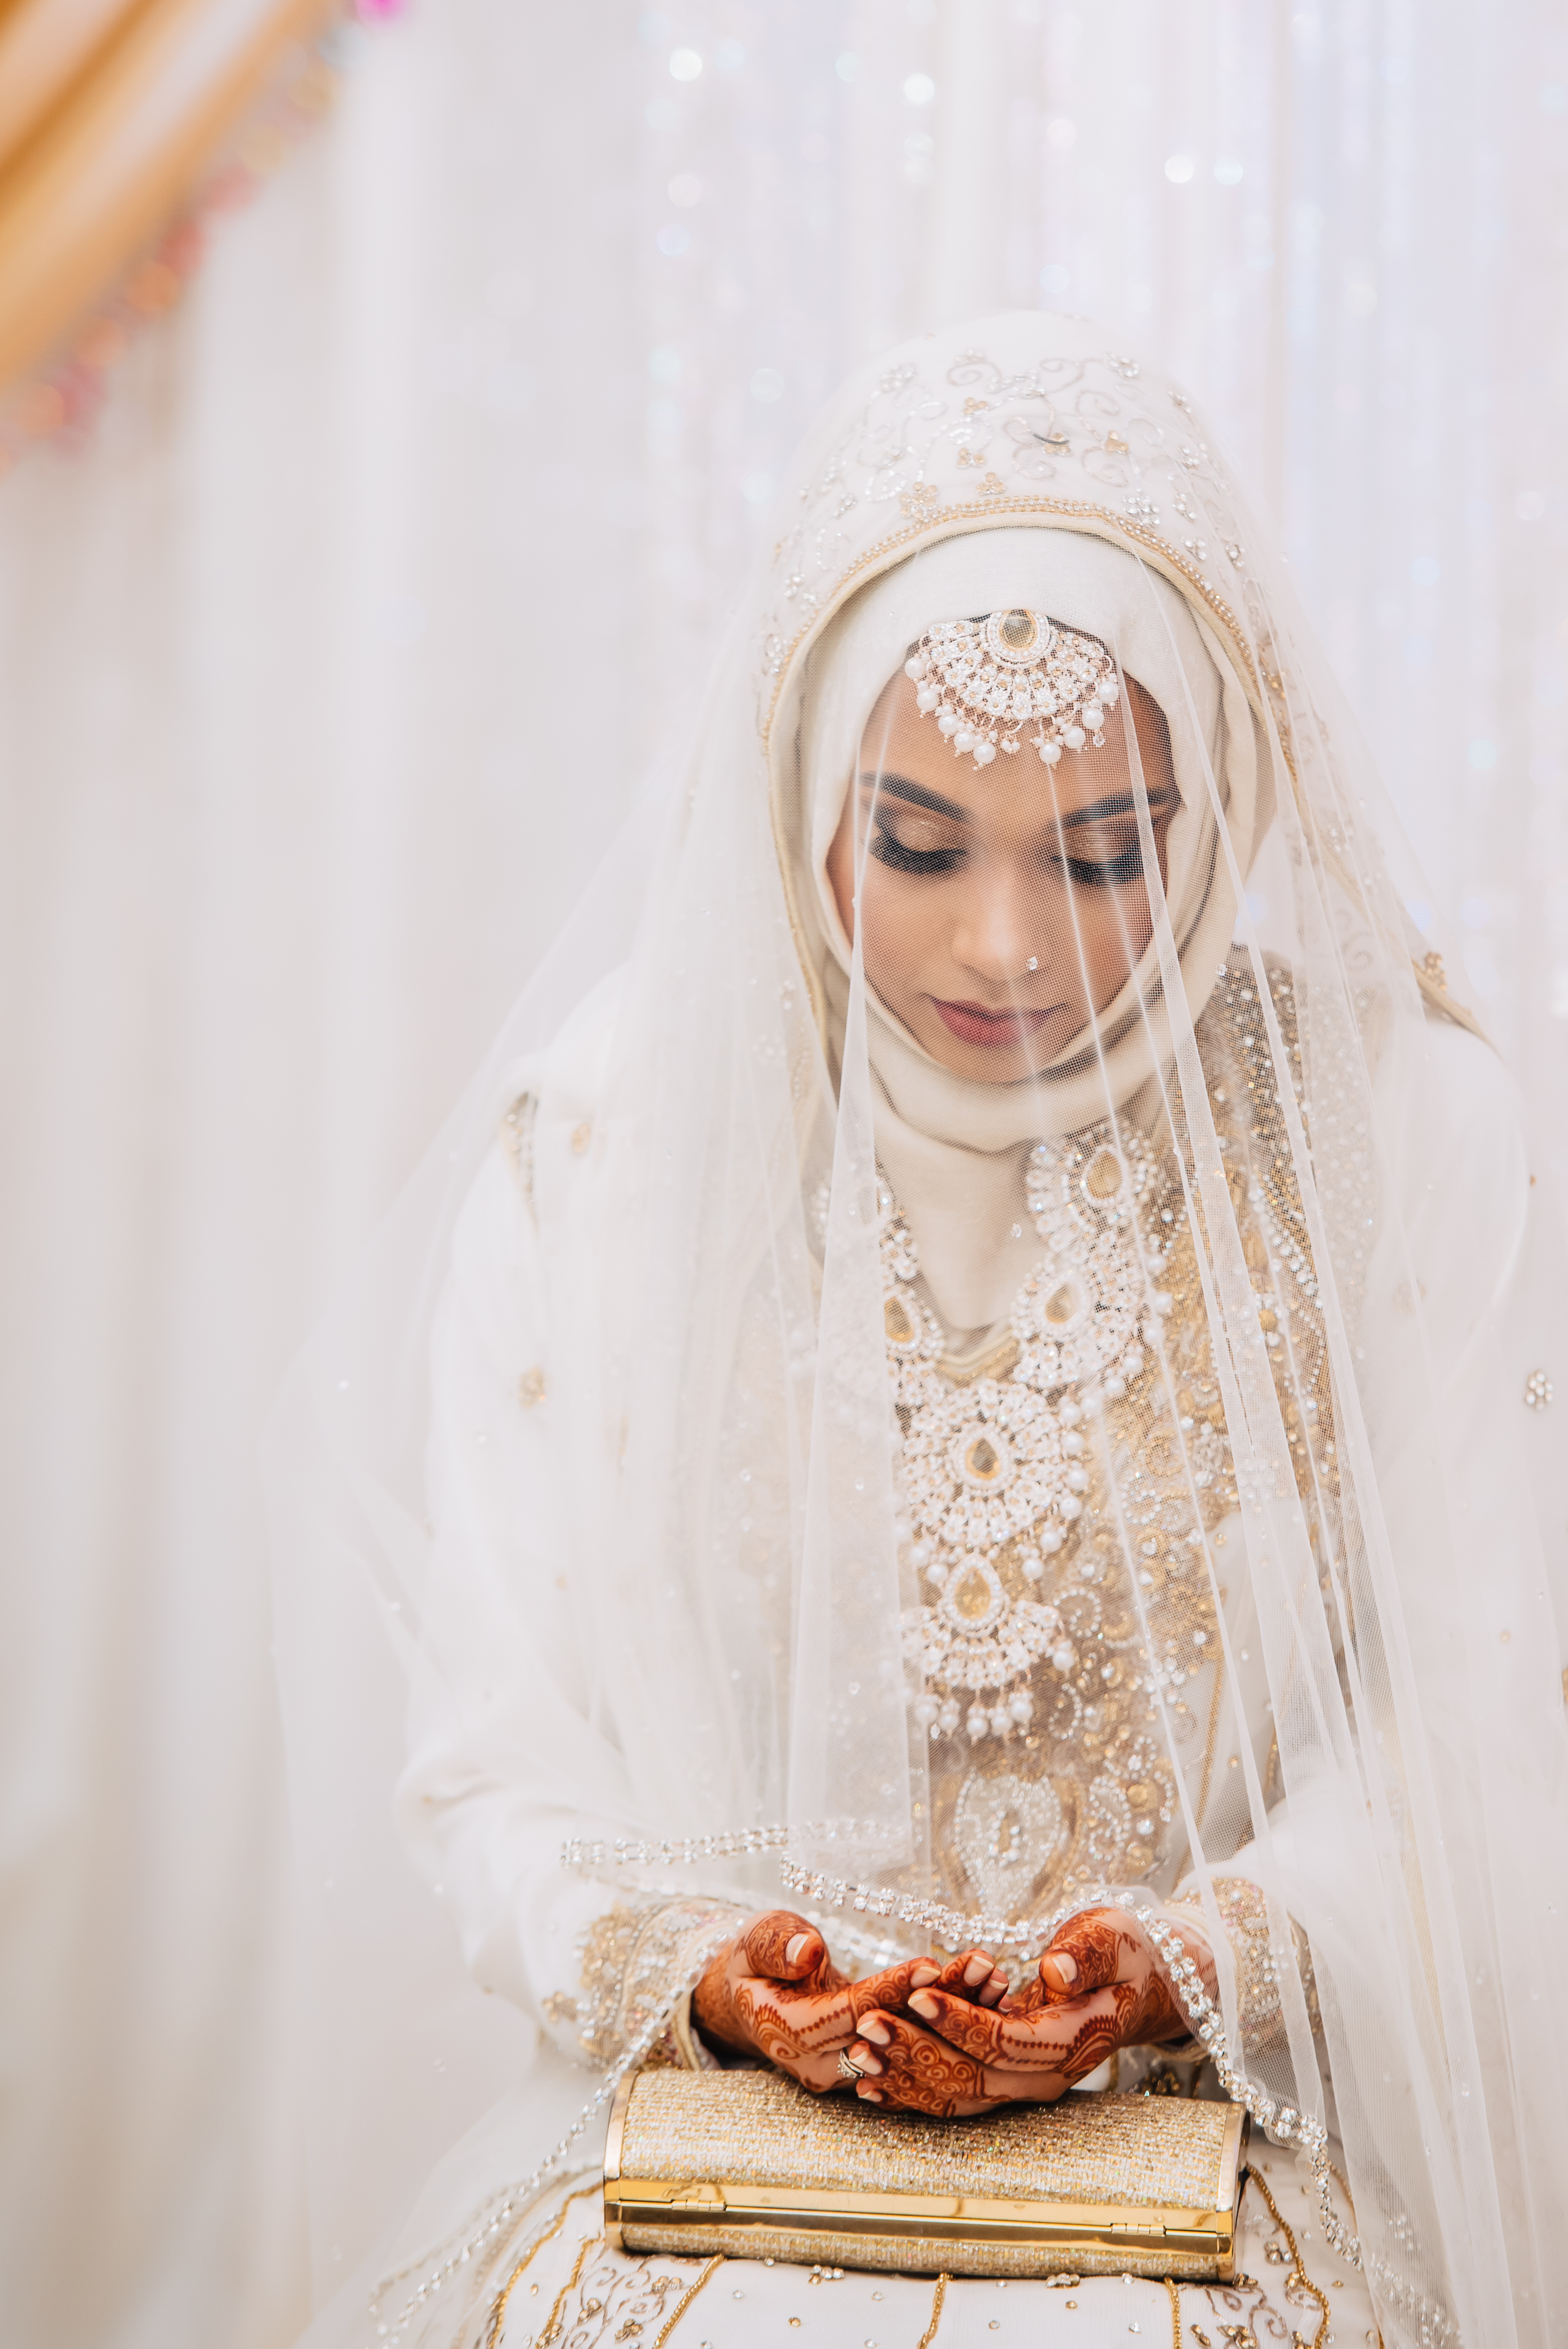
pixel 1243 1911
pixel 640 1959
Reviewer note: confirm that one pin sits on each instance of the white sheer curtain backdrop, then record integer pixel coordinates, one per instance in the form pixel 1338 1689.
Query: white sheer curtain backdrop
pixel 326 668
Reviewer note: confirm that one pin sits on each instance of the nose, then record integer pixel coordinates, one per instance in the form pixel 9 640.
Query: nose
pixel 998 937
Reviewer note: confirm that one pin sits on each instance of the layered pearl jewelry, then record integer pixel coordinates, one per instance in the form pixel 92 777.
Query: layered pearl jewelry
pixel 1001 1465
pixel 984 680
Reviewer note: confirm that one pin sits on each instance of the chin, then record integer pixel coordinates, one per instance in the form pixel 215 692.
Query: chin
pixel 1001 1065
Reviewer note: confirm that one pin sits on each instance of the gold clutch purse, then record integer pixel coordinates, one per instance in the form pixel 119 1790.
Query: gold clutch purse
pixel 752 2165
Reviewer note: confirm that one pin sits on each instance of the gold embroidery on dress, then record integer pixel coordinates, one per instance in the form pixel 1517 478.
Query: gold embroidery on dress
pixel 1243 1910
pixel 635 1960
pixel 517 1137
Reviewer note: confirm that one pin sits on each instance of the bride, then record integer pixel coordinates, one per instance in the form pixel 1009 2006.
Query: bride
pixel 956 1444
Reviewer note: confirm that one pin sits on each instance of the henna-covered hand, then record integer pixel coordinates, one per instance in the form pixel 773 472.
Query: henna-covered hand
pixel 773 1991
pixel 1098 1987
pixel 911 2067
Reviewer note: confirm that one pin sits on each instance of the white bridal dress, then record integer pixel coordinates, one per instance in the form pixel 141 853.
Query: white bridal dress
pixel 788 1473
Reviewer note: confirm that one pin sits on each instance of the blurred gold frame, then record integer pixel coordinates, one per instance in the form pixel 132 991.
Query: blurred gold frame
pixel 109 111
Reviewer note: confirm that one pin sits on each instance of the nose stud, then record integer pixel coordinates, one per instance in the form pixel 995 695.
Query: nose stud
pixel 1033 963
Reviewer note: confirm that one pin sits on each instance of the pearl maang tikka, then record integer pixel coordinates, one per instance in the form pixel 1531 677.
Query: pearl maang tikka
pixel 984 680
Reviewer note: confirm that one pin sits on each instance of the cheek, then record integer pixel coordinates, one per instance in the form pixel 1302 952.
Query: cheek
pixel 894 918
pixel 840 872
pixel 1116 926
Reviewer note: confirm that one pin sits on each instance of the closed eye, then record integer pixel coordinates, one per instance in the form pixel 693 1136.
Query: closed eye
pixel 889 850
pixel 1108 873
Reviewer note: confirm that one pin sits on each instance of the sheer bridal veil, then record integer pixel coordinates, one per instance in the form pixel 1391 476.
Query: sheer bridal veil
pixel 728 1520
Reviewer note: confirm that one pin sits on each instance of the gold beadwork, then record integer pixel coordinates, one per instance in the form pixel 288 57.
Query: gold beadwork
pixel 937 2297
pixel 552 2324
pixel 686 2299
pixel 1298 2275
pixel 517 1139
pixel 497 2311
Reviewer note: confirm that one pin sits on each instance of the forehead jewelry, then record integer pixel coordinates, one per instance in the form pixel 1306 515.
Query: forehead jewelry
pixel 986 681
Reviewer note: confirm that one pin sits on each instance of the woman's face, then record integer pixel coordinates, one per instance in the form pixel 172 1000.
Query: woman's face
pixel 998 905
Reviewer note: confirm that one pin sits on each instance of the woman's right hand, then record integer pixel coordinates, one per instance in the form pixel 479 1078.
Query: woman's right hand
pixel 774 1991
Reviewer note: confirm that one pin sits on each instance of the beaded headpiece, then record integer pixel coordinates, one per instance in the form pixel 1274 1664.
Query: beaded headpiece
pixel 986 679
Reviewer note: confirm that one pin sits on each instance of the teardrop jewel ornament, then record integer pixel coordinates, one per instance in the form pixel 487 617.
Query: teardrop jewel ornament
pixel 995 1471
pixel 984 680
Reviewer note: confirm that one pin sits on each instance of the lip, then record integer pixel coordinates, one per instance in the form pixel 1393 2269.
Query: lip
pixel 972 1023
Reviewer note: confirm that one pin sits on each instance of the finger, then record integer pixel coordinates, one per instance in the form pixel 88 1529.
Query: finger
pixel 867 2093
pixel 866 2057
pixel 786 2021
pixel 923 2074
pixel 783 1946
pixel 966 1975
pixel 1042 2043
pixel 1027 1999
pixel 1089 1951
pixel 977 2030
pixel 820 2074
pixel 889 1989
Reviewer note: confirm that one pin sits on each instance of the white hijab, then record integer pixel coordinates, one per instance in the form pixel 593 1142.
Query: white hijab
pixel 953 1149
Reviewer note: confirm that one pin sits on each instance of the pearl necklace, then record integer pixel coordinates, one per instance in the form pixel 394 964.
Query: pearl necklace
pixel 997 1469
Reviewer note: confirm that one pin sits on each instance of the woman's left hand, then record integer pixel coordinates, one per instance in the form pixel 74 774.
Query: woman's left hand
pixel 1100 1986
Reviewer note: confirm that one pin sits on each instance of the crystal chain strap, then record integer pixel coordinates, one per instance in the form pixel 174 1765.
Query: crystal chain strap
pixel 951 1926
pixel 486 2229
pixel 1281 2123
pixel 735 1843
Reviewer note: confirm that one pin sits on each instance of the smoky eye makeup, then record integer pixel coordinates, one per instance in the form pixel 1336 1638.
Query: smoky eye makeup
pixel 1098 861
pixel 907 837
pixel 1108 873
pixel 1103 856
pixel 902 856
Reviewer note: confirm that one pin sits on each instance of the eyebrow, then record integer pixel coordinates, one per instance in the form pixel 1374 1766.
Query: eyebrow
pixel 1118 803
pixel 902 787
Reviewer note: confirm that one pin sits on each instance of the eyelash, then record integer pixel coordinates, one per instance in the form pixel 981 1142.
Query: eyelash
pixel 894 853
pixel 1115 872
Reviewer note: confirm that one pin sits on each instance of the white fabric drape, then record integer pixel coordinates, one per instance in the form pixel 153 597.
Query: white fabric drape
pixel 326 669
